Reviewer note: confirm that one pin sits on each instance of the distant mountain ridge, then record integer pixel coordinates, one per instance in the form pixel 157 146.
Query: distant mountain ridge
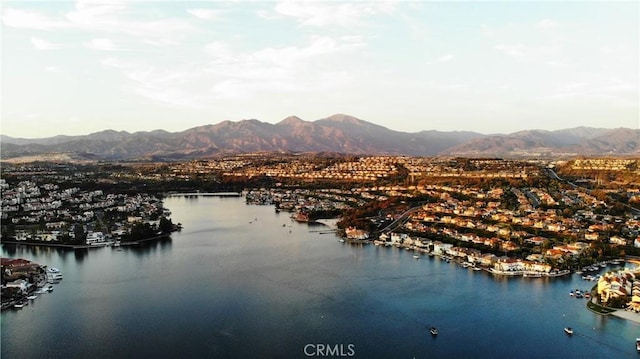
pixel 338 133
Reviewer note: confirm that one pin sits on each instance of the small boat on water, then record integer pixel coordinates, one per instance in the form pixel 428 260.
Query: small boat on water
pixel 638 344
pixel 54 274
pixel 18 305
pixel 433 331
pixel 415 256
pixel 568 330
pixel 32 297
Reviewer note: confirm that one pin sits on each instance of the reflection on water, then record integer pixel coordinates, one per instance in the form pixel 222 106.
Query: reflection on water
pixel 80 254
pixel 146 248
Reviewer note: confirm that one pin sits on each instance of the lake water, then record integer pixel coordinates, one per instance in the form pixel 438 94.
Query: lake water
pixel 242 281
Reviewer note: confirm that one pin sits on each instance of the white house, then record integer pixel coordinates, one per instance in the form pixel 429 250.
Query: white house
pixel 441 248
pixel 95 237
pixel 21 284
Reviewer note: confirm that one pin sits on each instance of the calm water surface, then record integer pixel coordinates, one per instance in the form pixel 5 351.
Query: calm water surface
pixel 243 281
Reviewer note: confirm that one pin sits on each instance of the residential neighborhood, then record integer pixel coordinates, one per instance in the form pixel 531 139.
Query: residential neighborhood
pixel 49 213
pixel 508 217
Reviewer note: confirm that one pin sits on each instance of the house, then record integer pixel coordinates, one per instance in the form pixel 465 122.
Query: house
pixel 507 264
pixel 95 237
pixel 441 248
pixel 20 284
pixel 617 284
pixel 397 238
pixel 354 233
pixel 591 236
pixel 537 241
pixel 617 240
pixel 537 267
pixel 487 260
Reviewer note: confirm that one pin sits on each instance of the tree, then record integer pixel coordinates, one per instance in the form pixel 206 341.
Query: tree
pixel 166 225
pixel 78 233
pixel 140 231
pixel 618 302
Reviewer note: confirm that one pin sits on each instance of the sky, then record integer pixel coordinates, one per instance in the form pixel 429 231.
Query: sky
pixel 79 67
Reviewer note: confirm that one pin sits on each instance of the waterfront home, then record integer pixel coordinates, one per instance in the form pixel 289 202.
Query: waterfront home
pixel 421 242
pixel 95 238
pixel 17 268
pixel 20 285
pixel 398 238
pixel 457 252
pixel 506 264
pixel 620 283
pixel 354 233
pixel 487 260
pixel 536 267
pixel 441 248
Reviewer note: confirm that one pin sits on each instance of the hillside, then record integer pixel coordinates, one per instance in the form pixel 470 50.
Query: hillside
pixel 338 133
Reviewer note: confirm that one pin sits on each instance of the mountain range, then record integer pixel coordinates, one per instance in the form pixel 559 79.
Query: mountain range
pixel 338 133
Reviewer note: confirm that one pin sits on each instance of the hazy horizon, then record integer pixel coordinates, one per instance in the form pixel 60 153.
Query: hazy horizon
pixel 80 67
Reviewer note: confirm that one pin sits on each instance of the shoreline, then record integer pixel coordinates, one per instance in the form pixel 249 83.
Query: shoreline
pixel 624 314
pixel 84 246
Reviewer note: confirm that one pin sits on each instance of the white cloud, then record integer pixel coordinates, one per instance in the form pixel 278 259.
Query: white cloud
pixel 107 17
pixel 205 14
pixel 557 63
pixel 486 30
pixel 546 24
pixel 319 14
pixel 117 63
pixel 241 76
pixel 30 20
pixel 103 45
pixel 594 86
pixel 53 69
pixel 219 50
pixel 40 44
pixel 517 51
pixel 90 14
pixel 445 58
pixel 456 87
pixel 292 55
pixel 168 86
